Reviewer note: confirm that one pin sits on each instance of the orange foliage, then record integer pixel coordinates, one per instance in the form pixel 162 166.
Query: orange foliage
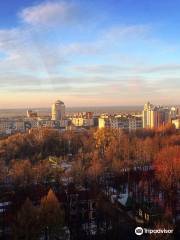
pixel 167 167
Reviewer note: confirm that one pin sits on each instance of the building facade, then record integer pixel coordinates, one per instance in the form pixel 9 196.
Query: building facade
pixel 58 111
pixel 126 122
pixel 176 123
pixel 155 116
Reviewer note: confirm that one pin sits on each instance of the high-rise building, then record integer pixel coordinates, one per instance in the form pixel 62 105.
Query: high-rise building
pixel 147 115
pixel 154 116
pixel 58 111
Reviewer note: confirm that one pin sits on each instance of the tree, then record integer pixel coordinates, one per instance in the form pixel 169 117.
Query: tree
pixel 104 138
pixel 26 225
pixel 42 171
pixel 52 216
pixel 96 168
pixel 167 167
pixel 167 129
pixel 3 171
pixel 21 172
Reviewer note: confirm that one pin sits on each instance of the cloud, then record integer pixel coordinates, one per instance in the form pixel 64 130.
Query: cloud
pixel 161 68
pixel 37 58
pixel 140 31
pixel 51 13
pixel 100 68
pixel 83 48
pixel 104 69
pixel 24 53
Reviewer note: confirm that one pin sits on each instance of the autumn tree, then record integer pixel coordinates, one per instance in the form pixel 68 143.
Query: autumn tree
pixel 95 168
pixel 52 216
pixel 43 171
pixel 3 171
pixel 167 129
pixel 21 172
pixel 103 138
pixel 26 224
pixel 167 167
pixel 79 169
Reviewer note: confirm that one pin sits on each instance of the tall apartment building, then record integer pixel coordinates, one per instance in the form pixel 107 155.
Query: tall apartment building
pixel 154 116
pixel 58 111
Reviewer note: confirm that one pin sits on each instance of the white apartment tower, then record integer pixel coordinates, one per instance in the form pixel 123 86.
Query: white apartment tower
pixel 148 115
pixel 58 111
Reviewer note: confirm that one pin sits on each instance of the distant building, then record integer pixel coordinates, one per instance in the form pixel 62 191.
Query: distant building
pixel 31 124
pixel 103 122
pixel 31 114
pixel 176 123
pixel 96 121
pixel 135 122
pixel 6 127
pixel 11 126
pixel 58 111
pixel 77 121
pixel 54 124
pixel 174 112
pixel 19 126
pixel 84 119
pixel 121 122
pixel 127 122
pixel 45 123
pixel 154 116
pixel 148 116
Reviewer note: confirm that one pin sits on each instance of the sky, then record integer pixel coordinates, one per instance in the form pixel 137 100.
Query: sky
pixel 89 52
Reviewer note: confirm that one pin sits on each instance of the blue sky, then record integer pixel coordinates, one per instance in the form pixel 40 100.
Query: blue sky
pixel 89 52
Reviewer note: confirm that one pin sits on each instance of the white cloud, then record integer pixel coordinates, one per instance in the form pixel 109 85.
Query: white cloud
pixel 140 31
pixel 24 52
pixel 51 13
pixel 109 69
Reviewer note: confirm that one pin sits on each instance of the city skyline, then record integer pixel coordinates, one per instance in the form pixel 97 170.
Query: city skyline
pixel 89 53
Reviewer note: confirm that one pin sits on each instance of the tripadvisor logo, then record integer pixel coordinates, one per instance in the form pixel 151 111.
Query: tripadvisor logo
pixel 139 231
